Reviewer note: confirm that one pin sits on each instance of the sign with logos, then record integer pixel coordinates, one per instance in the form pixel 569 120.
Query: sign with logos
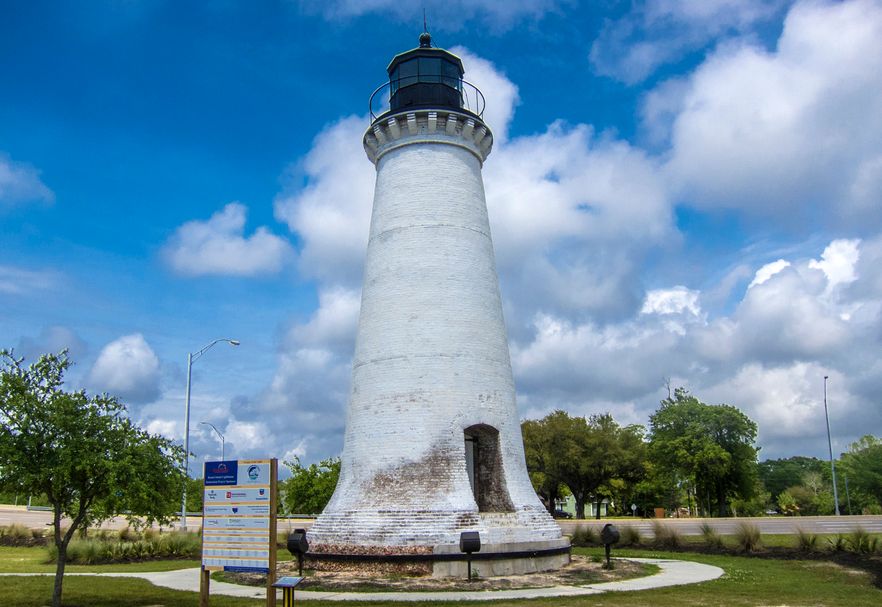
pixel 239 515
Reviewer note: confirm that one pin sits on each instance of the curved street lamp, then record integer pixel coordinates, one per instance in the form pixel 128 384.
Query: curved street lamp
pixel 191 358
pixel 218 432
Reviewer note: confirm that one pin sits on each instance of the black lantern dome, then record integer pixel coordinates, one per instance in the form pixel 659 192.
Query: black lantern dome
pixel 425 77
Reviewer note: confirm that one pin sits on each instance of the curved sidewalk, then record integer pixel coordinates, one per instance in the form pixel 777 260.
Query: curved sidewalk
pixel 673 573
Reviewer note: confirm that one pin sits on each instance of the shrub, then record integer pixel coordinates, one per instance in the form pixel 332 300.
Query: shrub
pixel 666 536
pixel 180 544
pixel 711 537
pixel 748 537
pixel 631 536
pixel 93 551
pixel 862 542
pixel 838 543
pixel 805 541
pixel 129 535
pixel 18 535
pixel 585 535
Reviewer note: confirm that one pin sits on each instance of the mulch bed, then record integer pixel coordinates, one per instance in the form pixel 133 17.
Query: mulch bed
pixel 581 571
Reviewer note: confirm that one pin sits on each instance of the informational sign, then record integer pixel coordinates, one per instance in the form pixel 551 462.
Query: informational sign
pixel 238 515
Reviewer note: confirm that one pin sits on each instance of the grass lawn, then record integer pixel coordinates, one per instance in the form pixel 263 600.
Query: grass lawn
pixel 749 581
pixel 104 592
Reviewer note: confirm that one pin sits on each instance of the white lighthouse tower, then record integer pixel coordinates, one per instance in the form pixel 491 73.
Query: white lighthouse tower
pixel 433 444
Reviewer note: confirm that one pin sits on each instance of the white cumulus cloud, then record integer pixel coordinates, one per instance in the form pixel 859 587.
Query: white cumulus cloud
pixel 219 246
pixel 672 301
pixel 788 134
pixel 838 262
pixel 127 367
pixel 767 271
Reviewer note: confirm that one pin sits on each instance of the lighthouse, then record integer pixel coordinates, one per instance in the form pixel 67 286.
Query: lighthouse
pixel 433 443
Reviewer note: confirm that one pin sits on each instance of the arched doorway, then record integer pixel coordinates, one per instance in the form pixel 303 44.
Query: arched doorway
pixel 484 467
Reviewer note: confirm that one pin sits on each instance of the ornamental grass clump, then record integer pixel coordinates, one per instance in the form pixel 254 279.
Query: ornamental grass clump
pixel 838 543
pixel 748 537
pixel 666 536
pixel 862 542
pixel 94 551
pixel 585 535
pixel 129 535
pixel 711 538
pixel 806 541
pixel 179 544
pixel 630 536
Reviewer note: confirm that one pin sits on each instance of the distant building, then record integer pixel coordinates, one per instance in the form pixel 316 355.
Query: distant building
pixel 568 505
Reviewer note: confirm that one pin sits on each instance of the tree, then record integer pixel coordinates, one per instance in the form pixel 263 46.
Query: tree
pixel 541 454
pixel 310 488
pixel 779 474
pixel 88 459
pixel 710 447
pixel 862 464
pixel 594 457
pixel 195 489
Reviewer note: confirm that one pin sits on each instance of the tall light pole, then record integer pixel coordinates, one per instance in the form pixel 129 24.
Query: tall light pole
pixel 218 432
pixel 830 447
pixel 191 358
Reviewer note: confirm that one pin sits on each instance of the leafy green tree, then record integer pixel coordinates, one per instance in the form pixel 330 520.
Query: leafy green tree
pixel 541 449
pixel 195 489
pixel 710 447
pixel 815 495
pixel 862 464
pixel 658 489
pixel 594 457
pixel 787 504
pixel 310 488
pixel 779 474
pixel 88 459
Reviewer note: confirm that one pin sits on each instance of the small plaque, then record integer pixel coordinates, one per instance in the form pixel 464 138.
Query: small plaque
pixel 287 582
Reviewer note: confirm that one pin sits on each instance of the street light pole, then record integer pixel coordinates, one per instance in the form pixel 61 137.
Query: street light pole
pixel 191 358
pixel 830 447
pixel 213 427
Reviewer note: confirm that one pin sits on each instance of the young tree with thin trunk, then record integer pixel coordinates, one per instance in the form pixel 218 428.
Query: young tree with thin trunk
pixel 82 452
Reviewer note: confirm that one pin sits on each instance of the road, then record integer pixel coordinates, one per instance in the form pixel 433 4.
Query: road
pixel 686 526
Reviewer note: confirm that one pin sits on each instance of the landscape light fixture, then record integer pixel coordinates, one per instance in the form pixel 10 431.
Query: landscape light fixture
pixel 191 358
pixel 609 535
pixel 298 546
pixel 469 542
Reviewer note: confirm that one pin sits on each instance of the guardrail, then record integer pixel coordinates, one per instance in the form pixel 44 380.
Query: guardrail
pixel 471 97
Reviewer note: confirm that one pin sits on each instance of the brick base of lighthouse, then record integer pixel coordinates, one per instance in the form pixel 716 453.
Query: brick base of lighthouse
pixel 445 560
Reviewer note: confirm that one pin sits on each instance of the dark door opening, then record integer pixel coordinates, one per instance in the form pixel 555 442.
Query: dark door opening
pixel 484 467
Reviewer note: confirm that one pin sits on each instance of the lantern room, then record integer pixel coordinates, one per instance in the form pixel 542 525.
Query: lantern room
pixel 425 77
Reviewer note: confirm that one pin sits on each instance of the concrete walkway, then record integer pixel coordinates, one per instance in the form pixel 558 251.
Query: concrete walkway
pixel 672 573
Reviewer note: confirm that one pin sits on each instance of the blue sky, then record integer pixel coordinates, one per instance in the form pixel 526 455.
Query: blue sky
pixel 678 190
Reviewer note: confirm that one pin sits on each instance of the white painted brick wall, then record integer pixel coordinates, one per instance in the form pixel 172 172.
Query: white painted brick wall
pixel 431 359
